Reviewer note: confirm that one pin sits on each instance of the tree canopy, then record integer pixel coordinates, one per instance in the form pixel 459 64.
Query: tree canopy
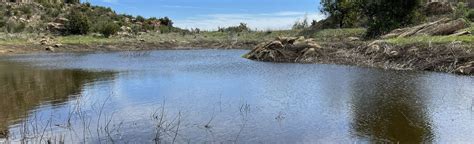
pixel 380 16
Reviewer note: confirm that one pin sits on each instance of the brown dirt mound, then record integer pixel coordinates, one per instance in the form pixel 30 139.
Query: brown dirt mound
pixel 451 58
pixel 284 49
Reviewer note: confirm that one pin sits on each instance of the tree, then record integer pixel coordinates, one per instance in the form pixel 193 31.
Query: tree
pixel 109 29
pixel 344 13
pixel 72 1
pixel 140 19
pixel 78 23
pixel 386 15
pixel 166 21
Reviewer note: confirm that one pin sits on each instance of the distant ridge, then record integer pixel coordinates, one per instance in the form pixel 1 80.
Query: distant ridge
pixel 42 1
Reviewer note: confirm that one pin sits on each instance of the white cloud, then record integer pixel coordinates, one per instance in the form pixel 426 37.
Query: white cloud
pixel 261 21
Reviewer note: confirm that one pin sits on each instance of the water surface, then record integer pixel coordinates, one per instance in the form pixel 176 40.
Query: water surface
pixel 215 96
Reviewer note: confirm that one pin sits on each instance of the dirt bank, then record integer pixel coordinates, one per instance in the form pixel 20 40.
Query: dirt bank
pixel 128 46
pixel 450 58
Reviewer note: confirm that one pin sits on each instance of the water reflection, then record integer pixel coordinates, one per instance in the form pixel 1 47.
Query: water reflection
pixel 390 109
pixel 23 89
pixel 218 97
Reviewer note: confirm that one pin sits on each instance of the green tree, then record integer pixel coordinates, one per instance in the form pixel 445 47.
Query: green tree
pixel 386 15
pixel 78 23
pixel 72 1
pixel 461 11
pixel 109 29
pixel 166 21
pixel 343 13
pixel 241 28
pixel 140 19
pixel 470 15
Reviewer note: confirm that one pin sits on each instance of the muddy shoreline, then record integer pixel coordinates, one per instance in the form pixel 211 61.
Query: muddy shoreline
pixel 448 58
pixel 110 47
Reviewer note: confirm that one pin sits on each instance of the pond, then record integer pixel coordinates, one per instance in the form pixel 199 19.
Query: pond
pixel 215 96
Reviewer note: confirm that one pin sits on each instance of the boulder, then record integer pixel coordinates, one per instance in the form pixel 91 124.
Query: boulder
pixel 125 29
pixel 44 42
pixel 380 47
pixel 50 48
pixel 61 20
pixel 353 38
pixel 56 27
pixel 466 69
pixel 284 49
pixel 58 45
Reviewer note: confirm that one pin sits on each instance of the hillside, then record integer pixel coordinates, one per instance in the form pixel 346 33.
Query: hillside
pixel 54 18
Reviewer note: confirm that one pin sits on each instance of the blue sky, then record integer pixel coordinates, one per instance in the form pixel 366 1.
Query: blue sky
pixel 210 14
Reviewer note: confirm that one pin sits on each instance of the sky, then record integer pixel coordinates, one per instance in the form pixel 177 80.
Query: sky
pixel 211 14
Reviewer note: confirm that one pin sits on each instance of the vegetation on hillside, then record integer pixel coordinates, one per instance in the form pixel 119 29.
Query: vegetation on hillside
pixel 381 17
pixel 74 18
pixel 378 16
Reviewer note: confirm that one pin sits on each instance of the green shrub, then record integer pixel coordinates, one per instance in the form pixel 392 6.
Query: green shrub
pixel 78 24
pixel 241 28
pixel 460 11
pixel 140 19
pixel 109 29
pixel 14 27
pixel 2 23
pixel 470 15
pixel 384 16
pixel 136 28
pixel 26 9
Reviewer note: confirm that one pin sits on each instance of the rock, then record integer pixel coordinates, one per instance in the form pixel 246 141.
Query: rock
pixel 376 46
pixel 284 49
pixel 124 34
pixel 444 26
pixel 58 45
pixel 393 53
pixel 309 52
pixel 61 20
pixel 44 42
pixel 125 29
pixel 23 20
pixel 97 35
pixel 56 27
pixel 372 49
pixel 467 69
pixel 353 38
pixel 50 48
pixel 142 40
